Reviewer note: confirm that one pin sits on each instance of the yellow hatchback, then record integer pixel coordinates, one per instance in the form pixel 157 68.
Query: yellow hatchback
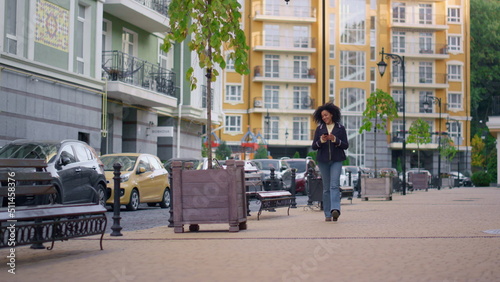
pixel 143 179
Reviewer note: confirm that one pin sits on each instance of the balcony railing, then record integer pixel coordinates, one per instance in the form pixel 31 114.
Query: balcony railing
pixel 298 103
pixel 284 73
pixel 161 6
pixel 283 42
pixel 417 20
pixel 119 66
pixel 296 11
pixel 420 78
pixel 279 134
pixel 416 48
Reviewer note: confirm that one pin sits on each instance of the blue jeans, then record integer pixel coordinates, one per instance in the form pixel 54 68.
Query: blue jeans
pixel 330 173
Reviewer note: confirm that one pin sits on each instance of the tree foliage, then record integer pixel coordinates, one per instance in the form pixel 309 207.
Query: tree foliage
pixel 213 27
pixel 261 152
pixel 223 152
pixel 448 151
pixel 478 156
pixel 419 133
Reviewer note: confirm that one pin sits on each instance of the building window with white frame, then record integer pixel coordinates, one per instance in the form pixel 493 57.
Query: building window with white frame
pixel 423 98
pixel 397 131
pixel 331 39
pixel 425 43
pixel 272 129
pixel 331 93
pixel 11 37
pixel 425 14
pixel 129 42
pixel 233 94
pixel 233 124
pixel 454 43
pixel 399 41
pixel 398 12
pixel 352 21
pixel 271 96
pixel 301 98
pixel 455 72
pixel 352 99
pixel 301 36
pixel 272 35
pixel 397 95
pixel 454 15
pixel 229 63
pixel 454 132
pixel 352 65
pixel 271 65
pixel 82 36
pixel 454 100
pixel 300 67
pixel 300 128
pixel 425 72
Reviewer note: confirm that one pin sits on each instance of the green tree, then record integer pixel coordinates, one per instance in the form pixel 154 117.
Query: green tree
pixel 478 156
pixel 261 152
pixel 223 152
pixel 380 109
pixel 212 28
pixel 419 133
pixel 312 154
pixel 448 151
pixel 296 155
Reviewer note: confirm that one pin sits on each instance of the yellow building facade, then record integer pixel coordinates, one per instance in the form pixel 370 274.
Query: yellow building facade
pixel 304 53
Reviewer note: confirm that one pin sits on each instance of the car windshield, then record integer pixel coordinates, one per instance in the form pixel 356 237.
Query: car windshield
pixel 300 166
pixel 127 162
pixel 29 151
pixel 268 164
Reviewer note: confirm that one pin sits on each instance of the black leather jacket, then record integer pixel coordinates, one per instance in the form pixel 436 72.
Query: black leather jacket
pixel 330 151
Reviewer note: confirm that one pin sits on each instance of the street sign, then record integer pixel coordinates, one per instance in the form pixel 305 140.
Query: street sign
pixel 162 131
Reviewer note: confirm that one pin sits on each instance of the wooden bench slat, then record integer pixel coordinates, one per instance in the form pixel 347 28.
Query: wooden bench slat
pixel 47 211
pixel 26 176
pixel 39 163
pixel 25 190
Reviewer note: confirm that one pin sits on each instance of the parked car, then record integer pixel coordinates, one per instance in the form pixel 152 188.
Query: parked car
pixel 143 179
pixel 282 171
pixel 353 171
pixel 77 172
pixel 198 163
pixel 417 170
pixel 462 179
pixel 302 167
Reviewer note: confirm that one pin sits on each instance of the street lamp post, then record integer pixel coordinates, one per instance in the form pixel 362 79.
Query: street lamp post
pixel 286 143
pixel 426 105
pixel 382 65
pixel 448 123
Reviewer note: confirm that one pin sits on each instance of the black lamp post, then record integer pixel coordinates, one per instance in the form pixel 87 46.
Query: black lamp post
pixel 382 65
pixel 448 123
pixel 286 144
pixel 437 101
pixel 267 118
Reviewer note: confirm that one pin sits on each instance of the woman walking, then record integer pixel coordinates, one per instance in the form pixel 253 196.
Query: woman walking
pixel 330 139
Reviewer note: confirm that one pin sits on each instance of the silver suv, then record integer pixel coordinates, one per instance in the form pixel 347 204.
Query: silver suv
pixel 282 172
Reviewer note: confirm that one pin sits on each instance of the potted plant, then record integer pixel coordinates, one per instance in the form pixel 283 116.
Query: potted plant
pixel 210 30
pixel 380 109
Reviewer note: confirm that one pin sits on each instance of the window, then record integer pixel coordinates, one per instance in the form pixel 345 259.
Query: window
pixel 229 63
pixel 454 100
pixel 11 27
pixel 425 72
pixel 425 14
pixel 272 35
pixel 163 59
pixel 301 99
pixel 352 65
pixel 300 69
pixel 129 41
pixel 454 43
pixel 272 66
pixel 273 7
pixel 352 99
pixel 300 128
pixel 398 12
pixel 271 96
pixel 272 129
pixel 454 15
pixel 331 94
pixel 233 93
pixel 233 124
pixel 425 43
pixel 300 37
pixel 397 95
pixel 455 72
pixel 454 131
pixel 331 40
pixel 106 35
pixel 422 99
pixel 204 94
pixel 399 42
pixel 372 80
pixel 397 131
pixel 352 21
pixel 82 35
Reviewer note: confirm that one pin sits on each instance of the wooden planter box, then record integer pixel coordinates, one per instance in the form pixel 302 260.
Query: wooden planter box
pixel 380 187
pixel 419 181
pixel 209 197
pixel 447 182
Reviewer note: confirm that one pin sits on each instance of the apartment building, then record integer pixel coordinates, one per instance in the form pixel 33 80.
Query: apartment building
pixel 304 53
pixel 95 71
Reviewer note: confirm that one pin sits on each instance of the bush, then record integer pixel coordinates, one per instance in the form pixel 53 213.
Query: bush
pixel 481 178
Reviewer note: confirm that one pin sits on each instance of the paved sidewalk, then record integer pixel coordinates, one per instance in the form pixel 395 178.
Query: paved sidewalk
pixel 423 236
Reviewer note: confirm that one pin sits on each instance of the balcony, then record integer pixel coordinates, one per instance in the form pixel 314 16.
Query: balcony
pixel 285 44
pixel 261 105
pixel 420 80
pixel 136 81
pixel 418 50
pixel 150 15
pixel 277 136
pixel 417 21
pixel 285 75
pixel 397 141
pixel 284 13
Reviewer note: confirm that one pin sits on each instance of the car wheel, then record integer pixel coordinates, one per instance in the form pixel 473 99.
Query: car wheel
pixel 134 201
pixel 101 194
pixel 165 202
pixel 55 198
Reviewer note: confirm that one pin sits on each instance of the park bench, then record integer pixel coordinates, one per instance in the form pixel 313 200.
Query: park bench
pixel 270 200
pixel 37 224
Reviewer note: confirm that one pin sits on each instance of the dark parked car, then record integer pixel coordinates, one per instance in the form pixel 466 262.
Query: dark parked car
pixel 302 167
pixel 282 171
pixel 77 171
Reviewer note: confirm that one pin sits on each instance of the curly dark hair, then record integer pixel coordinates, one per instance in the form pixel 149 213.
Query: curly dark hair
pixel 331 108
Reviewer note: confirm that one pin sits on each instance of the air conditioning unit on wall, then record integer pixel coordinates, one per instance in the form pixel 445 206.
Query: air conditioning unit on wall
pixel 257 104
